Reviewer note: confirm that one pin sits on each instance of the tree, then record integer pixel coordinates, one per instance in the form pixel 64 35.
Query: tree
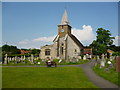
pixel 35 51
pixel 103 40
pixel 6 49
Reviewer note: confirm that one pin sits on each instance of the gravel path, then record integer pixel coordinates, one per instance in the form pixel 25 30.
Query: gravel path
pixel 87 68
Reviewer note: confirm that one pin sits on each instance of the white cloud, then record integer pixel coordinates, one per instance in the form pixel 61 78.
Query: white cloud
pixel 85 35
pixel 44 39
pixel 117 41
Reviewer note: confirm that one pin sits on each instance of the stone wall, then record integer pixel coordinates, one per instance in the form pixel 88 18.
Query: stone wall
pixel 71 47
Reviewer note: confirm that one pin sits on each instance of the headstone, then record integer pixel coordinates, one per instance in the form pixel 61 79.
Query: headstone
pixel 111 58
pixel 71 60
pixel 90 56
pixel 32 59
pixel 80 57
pixel 10 59
pixel 77 59
pixel 84 57
pixel 6 59
pixel 87 56
pixel 109 62
pixel 21 58
pixel 37 58
pixel 60 60
pixel 24 57
pixel 38 62
pixel 102 64
pixel 29 59
pixel 13 58
pixel 103 56
pixel 98 57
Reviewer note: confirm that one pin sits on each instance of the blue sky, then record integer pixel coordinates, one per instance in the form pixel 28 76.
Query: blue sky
pixel 33 24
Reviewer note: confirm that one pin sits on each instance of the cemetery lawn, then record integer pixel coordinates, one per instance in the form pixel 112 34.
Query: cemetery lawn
pixel 110 75
pixel 44 77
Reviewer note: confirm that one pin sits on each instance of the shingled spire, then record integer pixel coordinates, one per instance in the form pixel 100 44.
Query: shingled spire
pixel 65 20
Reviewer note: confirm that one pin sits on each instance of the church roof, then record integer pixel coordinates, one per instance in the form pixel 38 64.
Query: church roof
pixel 65 20
pixel 76 40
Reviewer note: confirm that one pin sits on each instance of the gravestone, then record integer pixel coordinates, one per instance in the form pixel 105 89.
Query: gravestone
pixel 80 57
pixel 28 59
pixel 60 60
pixel 90 56
pixel 98 57
pixel 103 56
pixel 21 58
pixel 6 59
pixel 71 60
pixel 87 56
pixel 111 58
pixel 84 57
pixel 37 58
pixel 13 58
pixel 102 64
pixel 10 59
pixel 24 57
pixel 77 60
pixel 110 65
pixel 38 63
pixel 32 59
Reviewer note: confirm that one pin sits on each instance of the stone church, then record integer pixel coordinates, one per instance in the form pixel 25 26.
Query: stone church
pixel 65 45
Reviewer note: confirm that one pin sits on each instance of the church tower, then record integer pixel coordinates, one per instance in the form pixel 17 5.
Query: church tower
pixel 64 27
pixel 65 45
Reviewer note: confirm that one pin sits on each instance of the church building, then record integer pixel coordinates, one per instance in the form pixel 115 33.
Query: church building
pixel 65 45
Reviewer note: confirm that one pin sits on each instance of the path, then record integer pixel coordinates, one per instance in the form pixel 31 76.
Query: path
pixel 97 80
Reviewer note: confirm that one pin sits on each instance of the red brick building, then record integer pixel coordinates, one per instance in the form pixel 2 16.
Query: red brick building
pixel 24 52
pixel 87 51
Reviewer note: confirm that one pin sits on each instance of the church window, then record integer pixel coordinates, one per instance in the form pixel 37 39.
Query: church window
pixel 75 50
pixel 47 52
pixel 61 50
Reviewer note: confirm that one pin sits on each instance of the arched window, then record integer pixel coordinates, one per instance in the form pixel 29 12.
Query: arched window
pixel 47 51
pixel 61 48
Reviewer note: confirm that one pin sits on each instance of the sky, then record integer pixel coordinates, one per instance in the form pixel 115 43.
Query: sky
pixel 34 24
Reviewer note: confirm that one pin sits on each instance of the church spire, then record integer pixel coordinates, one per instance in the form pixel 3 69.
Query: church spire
pixel 65 20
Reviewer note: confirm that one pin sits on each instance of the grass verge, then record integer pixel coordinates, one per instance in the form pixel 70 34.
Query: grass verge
pixel 110 75
pixel 43 77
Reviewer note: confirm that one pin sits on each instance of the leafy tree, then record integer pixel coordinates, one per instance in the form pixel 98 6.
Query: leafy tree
pixel 6 49
pixel 103 40
pixel 35 51
pixel 114 48
pixel 116 54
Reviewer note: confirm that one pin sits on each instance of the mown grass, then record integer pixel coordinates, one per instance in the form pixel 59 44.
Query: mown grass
pixel 110 75
pixel 43 77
